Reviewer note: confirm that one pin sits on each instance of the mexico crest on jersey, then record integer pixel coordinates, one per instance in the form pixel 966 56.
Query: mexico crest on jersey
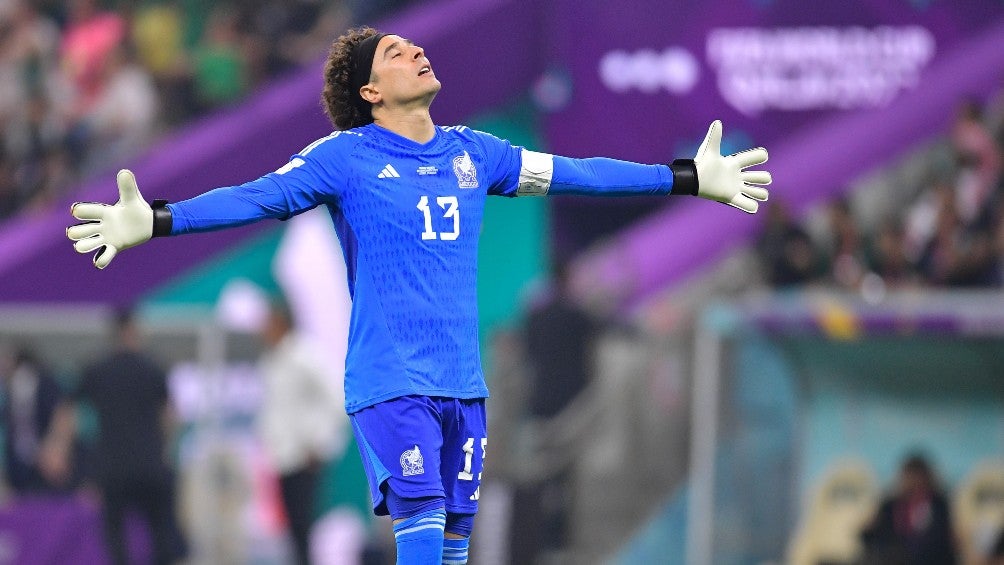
pixel 412 462
pixel 467 173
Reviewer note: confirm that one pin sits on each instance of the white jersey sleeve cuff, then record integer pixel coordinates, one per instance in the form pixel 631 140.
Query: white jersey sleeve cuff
pixel 535 173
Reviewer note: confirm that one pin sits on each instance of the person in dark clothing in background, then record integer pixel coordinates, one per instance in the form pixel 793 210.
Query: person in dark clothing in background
pixel 131 466
pixel 913 526
pixel 786 251
pixel 559 342
pixel 30 398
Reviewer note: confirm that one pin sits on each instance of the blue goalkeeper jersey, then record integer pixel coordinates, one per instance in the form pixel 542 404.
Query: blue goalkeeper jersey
pixel 408 216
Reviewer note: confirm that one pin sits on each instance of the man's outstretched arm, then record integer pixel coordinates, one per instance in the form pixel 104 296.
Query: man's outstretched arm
pixel 708 175
pixel 108 229
pixel 301 184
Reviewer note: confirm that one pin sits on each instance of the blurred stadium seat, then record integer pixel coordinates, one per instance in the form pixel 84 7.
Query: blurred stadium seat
pixel 979 511
pixel 840 506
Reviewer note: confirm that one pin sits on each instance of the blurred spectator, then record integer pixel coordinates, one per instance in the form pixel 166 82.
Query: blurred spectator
pixel 367 12
pixel 310 26
pixel 913 525
pixel 159 32
pixel 921 219
pixel 8 188
pixel 998 245
pixel 559 343
pixel 292 32
pixel 29 51
pixel 30 398
pixel 940 259
pixel 32 138
pixel 303 422
pixel 560 338
pixel 846 252
pixel 888 256
pixel 979 161
pixel 957 255
pixel 89 37
pixel 785 249
pixel 132 460
pixel 219 67
pixel 124 114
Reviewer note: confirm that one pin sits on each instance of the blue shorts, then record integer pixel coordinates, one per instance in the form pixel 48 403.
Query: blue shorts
pixel 422 446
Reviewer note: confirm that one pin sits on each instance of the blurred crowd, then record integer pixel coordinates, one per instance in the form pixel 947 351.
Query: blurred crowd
pixel 947 233
pixel 87 84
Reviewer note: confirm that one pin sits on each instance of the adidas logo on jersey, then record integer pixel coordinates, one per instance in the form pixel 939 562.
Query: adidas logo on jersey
pixel 388 172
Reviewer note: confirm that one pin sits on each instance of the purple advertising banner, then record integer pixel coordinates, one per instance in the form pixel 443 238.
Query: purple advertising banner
pixel 647 77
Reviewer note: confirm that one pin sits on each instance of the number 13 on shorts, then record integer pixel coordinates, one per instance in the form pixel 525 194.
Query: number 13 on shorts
pixel 465 474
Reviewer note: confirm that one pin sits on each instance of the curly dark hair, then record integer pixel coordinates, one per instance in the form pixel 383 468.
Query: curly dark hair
pixel 337 98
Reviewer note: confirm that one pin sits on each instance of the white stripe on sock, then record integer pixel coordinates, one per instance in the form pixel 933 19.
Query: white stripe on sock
pixel 439 527
pixel 435 519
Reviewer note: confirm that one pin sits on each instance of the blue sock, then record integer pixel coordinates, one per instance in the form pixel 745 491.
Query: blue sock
pixel 455 551
pixel 420 538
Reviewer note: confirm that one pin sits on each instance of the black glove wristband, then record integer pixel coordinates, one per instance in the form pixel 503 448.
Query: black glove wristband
pixel 684 177
pixel 162 219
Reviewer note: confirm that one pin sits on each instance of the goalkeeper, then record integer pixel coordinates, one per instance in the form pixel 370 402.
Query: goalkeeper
pixel 406 198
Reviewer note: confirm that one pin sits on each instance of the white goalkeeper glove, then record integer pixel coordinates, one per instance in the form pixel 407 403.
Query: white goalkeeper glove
pixel 723 178
pixel 110 229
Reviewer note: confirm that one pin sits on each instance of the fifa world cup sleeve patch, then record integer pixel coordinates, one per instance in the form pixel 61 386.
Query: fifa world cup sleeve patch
pixel 535 173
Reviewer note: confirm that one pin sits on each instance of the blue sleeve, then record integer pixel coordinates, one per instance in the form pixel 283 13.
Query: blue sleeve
pixel 596 176
pixel 311 178
pixel 231 206
pixel 599 176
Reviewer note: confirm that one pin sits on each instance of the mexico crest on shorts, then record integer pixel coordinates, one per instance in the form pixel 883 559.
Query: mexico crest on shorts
pixel 411 462
pixel 467 173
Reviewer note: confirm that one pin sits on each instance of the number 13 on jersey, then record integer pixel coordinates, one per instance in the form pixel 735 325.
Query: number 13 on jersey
pixel 451 209
pixel 466 474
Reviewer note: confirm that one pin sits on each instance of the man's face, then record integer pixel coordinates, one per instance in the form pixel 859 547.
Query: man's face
pixel 401 72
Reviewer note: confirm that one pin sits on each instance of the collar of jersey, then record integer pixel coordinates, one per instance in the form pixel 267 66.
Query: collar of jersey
pixel 404 141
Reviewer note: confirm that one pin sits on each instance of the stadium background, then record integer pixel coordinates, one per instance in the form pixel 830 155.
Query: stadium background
pixel 736 379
